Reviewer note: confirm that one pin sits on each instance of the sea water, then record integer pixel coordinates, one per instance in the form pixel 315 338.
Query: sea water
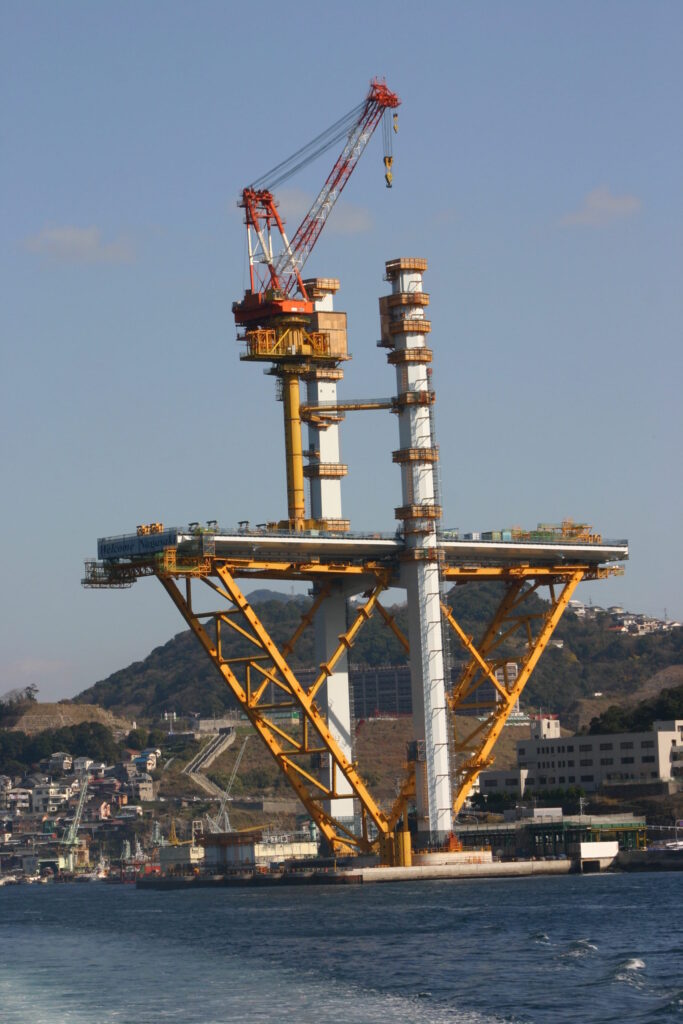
pixel 576 949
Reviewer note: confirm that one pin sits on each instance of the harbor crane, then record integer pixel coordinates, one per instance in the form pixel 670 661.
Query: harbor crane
pixel 70 837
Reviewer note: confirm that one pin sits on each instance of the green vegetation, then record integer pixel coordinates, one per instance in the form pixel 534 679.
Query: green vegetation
pixel 14 703
pixel 593 656
pixel 140 738
pixel 665 707
pixel 19 752
pixel 568 799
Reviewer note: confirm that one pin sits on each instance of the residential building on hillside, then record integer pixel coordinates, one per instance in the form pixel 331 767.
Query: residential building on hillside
pixel 60 761
pixel 19 799
pixel 622 621
pixel 5 787
pixel 49 797
pixel 145 762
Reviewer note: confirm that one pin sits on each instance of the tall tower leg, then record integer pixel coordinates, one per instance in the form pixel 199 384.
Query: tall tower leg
pixel 293 450
pixel 325 473
pixel 404 328
pixel 334 699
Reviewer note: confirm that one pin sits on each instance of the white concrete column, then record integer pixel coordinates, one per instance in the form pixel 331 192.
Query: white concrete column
pixel 404 329
pixel 335 697
pixel 326 507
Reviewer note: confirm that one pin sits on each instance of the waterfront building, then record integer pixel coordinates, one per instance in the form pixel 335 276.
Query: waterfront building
pixel 248 851
pixel 546 833
pixel 548 760
pixel 181 858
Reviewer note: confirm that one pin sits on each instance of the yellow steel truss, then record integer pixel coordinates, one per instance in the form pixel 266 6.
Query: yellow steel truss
pixel 293 746
pixel 251 678
pixel 473 751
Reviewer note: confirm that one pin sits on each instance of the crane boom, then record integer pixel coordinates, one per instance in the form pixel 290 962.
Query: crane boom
pixel 275 282
pixel 293 258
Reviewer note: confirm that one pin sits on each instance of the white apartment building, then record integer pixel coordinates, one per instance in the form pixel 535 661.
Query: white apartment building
pixel 19 799
pixel 548 760
pixel 50 797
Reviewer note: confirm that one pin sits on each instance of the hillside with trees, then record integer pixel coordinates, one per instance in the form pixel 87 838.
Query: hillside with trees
pixel 665 707
pixel 19 751
pixel 179 676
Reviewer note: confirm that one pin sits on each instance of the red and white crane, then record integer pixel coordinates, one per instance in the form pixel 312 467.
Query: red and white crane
pixel 275 282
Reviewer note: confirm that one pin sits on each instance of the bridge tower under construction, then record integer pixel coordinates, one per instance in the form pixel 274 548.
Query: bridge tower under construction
pixel 291 324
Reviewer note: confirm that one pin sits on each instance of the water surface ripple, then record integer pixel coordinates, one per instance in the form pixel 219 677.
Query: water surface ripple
pixel 578 949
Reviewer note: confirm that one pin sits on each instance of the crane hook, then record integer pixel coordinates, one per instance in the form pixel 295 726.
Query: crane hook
pixel 388 176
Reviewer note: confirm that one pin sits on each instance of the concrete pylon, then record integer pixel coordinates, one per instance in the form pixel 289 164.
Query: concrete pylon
pixel 403 331
pixel 325 472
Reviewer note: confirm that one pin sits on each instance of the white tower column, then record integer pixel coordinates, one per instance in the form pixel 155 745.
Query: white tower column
pixel 403 328
pixel 325 472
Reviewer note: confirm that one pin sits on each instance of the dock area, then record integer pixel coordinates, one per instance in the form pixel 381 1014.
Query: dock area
pixel 358 876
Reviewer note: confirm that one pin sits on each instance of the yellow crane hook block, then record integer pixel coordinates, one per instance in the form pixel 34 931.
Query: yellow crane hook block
pixel 388 164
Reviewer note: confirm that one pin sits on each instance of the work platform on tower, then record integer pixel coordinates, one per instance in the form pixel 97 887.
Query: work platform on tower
pixel 307 553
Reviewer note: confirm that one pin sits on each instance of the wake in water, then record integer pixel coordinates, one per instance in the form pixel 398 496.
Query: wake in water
pixel 537 951
pixel 627 973
pixel 579 949
pixel 23 1001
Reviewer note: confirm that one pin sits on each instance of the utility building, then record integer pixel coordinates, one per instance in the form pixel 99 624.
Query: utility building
pixel 548 760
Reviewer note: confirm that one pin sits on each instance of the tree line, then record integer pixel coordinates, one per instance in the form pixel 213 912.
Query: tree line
pixel 20 752
pixel 665 707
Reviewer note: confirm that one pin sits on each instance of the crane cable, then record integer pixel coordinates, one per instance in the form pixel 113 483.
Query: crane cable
pixel 311 151
pixel 389 128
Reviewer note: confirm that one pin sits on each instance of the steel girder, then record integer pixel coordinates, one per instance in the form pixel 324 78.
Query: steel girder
pixel 473 752
pixel 251 678
pixel 248 678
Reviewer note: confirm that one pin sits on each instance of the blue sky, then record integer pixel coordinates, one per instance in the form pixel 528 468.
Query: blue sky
pixel 538 167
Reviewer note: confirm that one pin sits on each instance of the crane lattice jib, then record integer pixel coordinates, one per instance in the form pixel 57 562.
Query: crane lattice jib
pixel 283 273
pixel 291 261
